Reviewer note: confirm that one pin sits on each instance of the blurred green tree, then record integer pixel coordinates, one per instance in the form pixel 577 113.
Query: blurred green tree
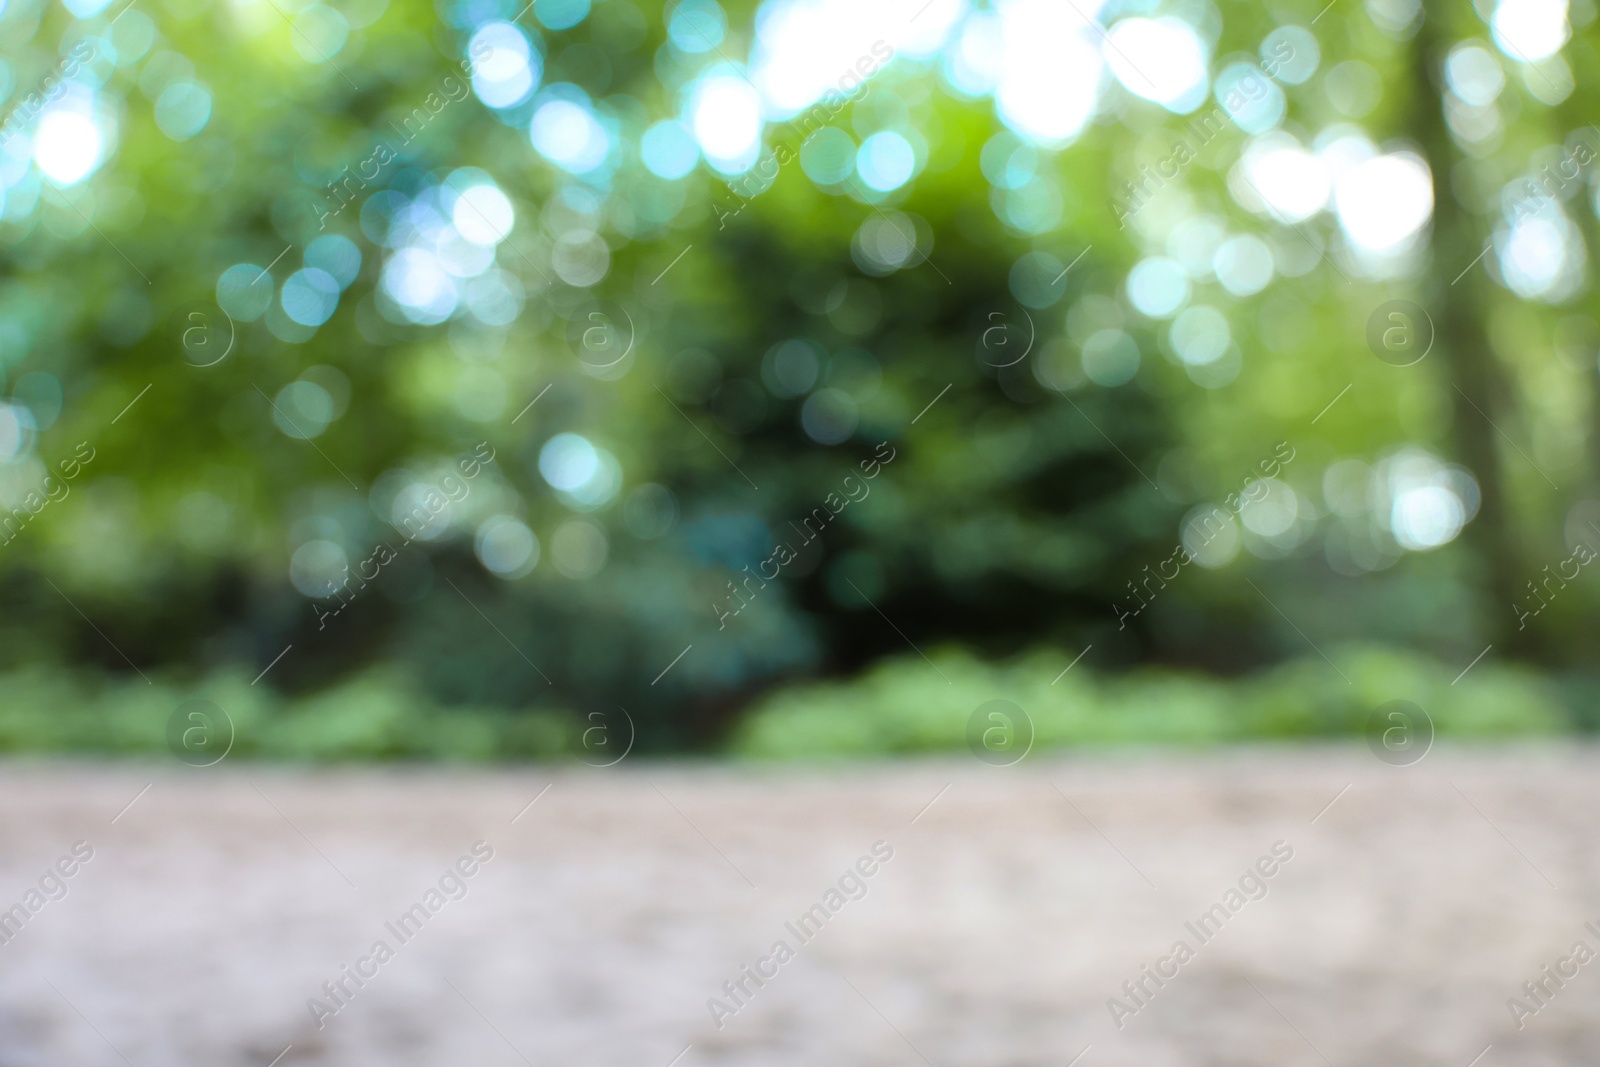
pixel 319 253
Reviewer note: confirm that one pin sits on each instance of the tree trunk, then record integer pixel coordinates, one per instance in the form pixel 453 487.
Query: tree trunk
pixel 1479 392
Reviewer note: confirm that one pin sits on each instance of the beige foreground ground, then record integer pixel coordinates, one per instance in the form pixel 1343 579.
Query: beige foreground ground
pixel 615 906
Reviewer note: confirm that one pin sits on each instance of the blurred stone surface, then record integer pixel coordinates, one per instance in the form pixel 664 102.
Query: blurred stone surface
pixel 622 900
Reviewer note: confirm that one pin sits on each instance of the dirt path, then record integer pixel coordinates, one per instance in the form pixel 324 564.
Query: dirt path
pixel 615 906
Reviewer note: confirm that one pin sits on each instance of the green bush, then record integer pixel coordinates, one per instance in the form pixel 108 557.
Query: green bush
pixel 901 706
pixel 381 714
pixel 906 705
